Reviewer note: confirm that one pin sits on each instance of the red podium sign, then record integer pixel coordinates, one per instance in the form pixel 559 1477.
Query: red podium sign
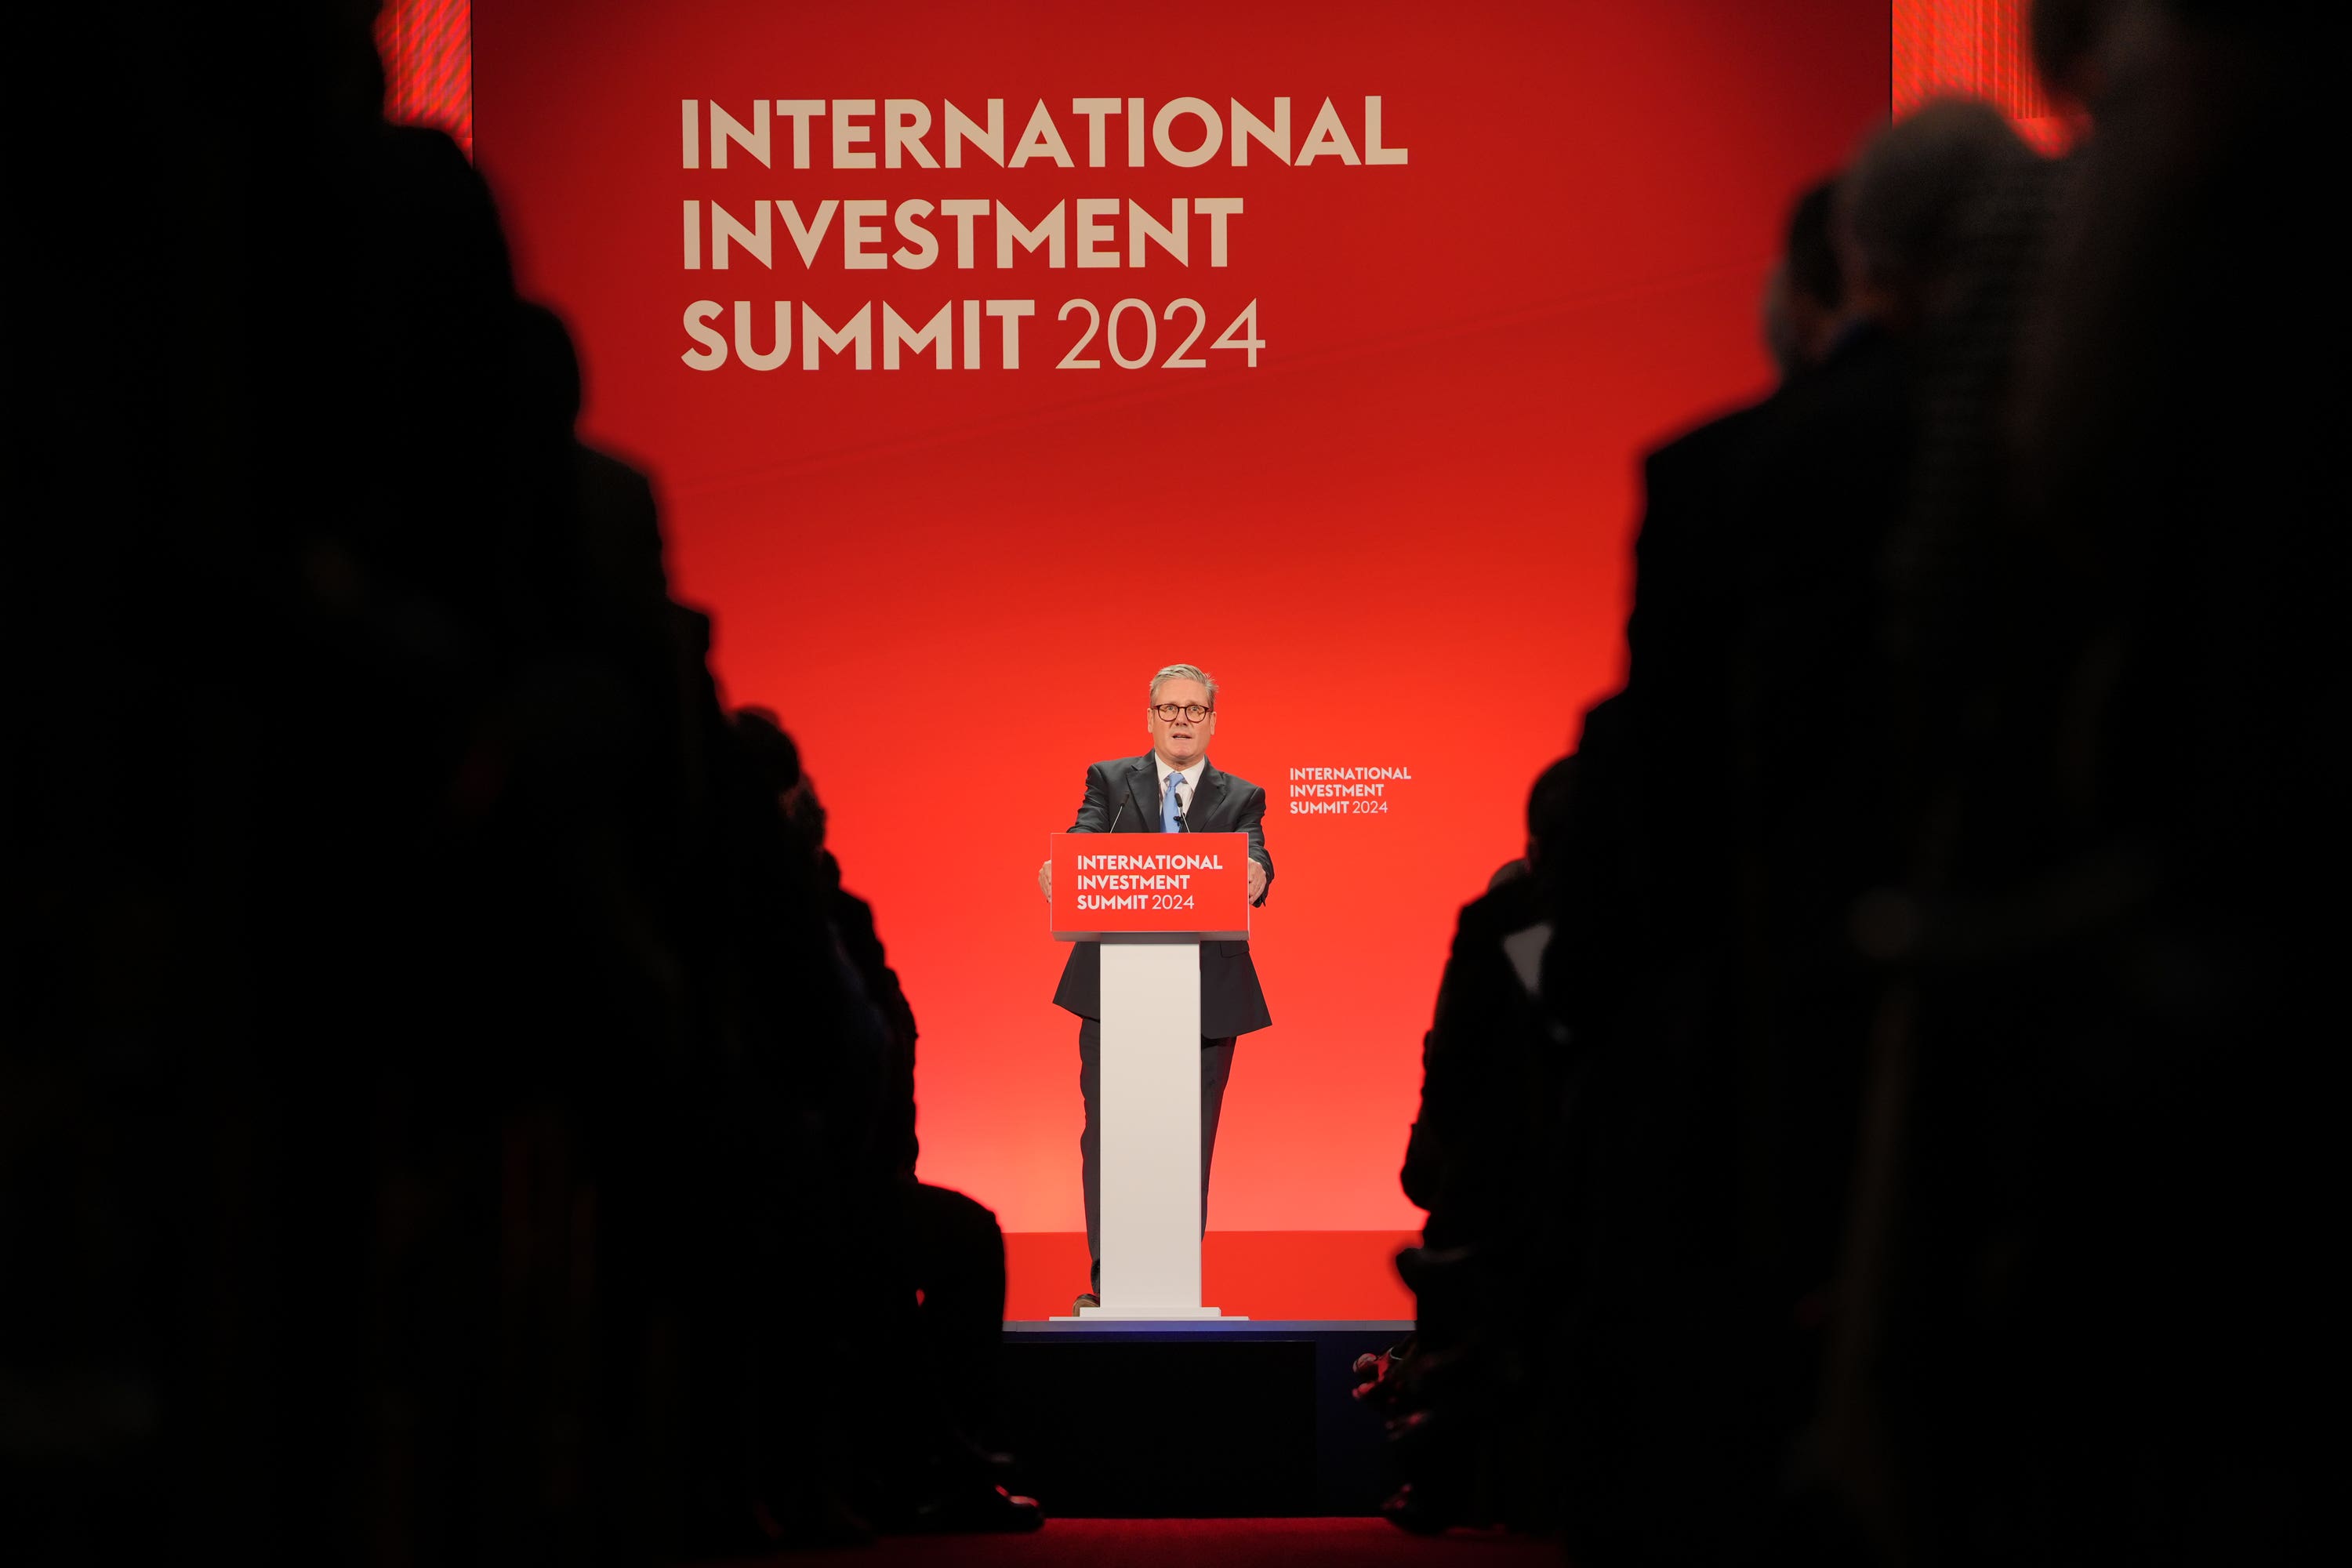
pixel 1119 885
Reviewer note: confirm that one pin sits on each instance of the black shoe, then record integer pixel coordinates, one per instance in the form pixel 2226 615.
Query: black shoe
pixel 1085 1299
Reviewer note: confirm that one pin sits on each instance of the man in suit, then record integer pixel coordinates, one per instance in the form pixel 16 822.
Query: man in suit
pixel 1169 789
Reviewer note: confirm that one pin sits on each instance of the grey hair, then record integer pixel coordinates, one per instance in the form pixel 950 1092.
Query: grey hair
pixel 1185 672
pixel 1902 202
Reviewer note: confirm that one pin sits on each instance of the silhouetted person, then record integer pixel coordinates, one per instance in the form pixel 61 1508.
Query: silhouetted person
pixel 2102 1141
pixel 1690 586
pixel 1829 482
pixel 1467 1396
pixel 927 1263
pixel 1486 1057
pixel 1728 814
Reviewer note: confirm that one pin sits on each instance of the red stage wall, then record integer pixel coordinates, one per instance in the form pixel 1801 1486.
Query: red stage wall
pixel 1401 541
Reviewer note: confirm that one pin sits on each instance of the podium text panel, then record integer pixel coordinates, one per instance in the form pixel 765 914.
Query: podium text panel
pixel 1139 884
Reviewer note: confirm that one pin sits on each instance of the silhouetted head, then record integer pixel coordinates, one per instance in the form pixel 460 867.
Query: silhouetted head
pixel 1548 807
pixel 1898 211
pixel 546 367
pixel 1803 302
pixel 2065 41
pixel 776 759
pixel 774 756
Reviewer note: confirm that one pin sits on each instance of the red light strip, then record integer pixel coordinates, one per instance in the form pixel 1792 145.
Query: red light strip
pixel 1979 48
pixel 428 65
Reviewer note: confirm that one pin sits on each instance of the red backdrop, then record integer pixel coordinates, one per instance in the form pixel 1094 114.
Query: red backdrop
pixel 1401 541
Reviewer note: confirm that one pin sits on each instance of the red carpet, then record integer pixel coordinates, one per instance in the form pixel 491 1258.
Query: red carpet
pixel 1322 1276
pixel 1207 1542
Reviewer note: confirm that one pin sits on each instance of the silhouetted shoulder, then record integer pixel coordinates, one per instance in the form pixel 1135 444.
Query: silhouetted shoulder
pixel 1706 446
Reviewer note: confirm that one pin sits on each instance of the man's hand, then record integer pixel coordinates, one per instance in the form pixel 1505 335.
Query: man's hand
pixel 1045 879
pixel 1256 879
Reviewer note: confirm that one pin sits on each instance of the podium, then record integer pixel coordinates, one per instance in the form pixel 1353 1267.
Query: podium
pixel 1150 900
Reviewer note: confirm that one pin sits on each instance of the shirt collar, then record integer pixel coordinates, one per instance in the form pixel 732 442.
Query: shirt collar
pixel 1192 774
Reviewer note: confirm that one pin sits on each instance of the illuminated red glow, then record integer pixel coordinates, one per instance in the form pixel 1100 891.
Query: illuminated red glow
pixel 428 65
pixel 1976 48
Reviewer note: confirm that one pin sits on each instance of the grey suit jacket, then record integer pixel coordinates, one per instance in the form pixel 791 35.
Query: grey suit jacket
pixel 1123 795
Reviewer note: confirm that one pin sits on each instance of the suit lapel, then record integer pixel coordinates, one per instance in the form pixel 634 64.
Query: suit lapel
pixel 1202 815
pixel 1143 795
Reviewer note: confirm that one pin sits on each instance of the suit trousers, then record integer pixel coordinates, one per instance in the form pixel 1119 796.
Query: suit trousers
pixel 1216 1066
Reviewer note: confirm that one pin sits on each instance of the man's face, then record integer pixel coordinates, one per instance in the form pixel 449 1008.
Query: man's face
pixel 1180 739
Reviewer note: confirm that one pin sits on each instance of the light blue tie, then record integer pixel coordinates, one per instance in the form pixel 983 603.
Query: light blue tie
pixel 1168 803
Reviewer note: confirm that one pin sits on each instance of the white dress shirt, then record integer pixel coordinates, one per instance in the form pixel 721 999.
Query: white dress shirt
pixel 1191 775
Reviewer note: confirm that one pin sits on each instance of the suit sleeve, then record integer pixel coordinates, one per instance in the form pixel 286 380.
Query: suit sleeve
pixel 1252 823
pixel 1094 812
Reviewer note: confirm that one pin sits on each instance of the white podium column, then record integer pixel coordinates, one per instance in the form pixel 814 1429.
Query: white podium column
pixel 1150 1132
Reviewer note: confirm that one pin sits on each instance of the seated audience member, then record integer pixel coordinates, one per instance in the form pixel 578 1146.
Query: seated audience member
pixel 1466 1394
pixel 1479 1052
pixel 929 1262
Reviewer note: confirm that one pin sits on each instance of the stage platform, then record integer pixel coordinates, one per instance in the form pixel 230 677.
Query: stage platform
pixel 1336 1276
pixel 1212 1419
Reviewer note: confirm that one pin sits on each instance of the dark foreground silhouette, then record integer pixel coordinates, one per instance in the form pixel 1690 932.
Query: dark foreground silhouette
pixel 1918 971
